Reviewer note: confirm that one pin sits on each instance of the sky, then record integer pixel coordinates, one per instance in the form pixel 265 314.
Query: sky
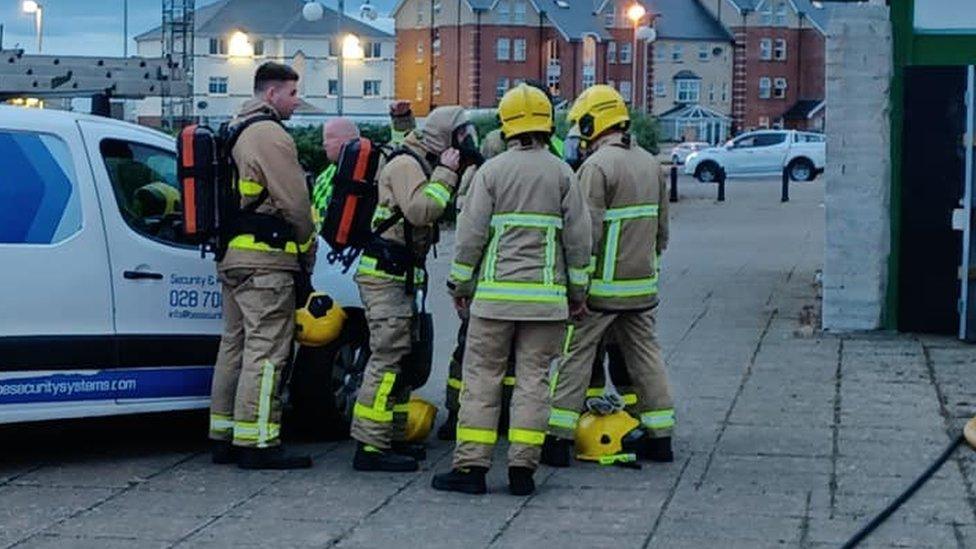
pixel 95 27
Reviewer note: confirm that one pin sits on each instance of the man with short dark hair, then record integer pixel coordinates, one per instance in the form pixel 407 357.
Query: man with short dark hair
pixel 272 243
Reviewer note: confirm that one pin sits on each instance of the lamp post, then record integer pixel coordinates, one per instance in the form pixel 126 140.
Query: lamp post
pixel 33 7
pixel 648 35
pixel 635 13
pixel 313 11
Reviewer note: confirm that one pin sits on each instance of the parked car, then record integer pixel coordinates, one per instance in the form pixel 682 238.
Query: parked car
pixel 108 309
pixel 682 150
pixel 762 153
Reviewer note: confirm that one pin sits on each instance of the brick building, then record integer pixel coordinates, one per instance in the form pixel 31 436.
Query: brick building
pixel 779 61
pixel 469 52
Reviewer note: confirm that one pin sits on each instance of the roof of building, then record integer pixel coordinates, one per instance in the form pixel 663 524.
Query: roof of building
pixel 254 16
pixel 804 109
pixel 692 112
pixel 686 75
pixel 819 14
pixel 685 20
pixel 574 18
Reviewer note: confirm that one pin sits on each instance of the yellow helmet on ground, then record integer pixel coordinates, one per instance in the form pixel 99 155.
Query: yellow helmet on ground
pixel 525 109
pixel 598 109
pixel 156 198
pixel 599 436
pixel 420 419
pixel 319 322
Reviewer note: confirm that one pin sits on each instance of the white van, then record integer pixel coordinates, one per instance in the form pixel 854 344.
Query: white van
pixel 104 309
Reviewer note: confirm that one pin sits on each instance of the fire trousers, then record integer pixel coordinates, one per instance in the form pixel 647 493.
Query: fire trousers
pixel 259 324
pixel 634 332
pixel 485 361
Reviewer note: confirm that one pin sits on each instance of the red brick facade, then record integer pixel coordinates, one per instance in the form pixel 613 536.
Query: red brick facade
pixel 467 69
pixel 803 71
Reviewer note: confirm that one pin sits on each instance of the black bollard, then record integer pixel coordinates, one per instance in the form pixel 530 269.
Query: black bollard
pixel 674 183
pixel 786 186
pixel 721 184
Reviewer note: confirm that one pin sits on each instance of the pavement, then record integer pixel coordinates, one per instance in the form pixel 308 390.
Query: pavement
pixel 786 436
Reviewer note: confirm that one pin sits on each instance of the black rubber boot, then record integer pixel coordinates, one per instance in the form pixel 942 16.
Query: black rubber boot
pixel 448 430
pixel 270 458
pixel 656 449
pixel 520 481
pixel 371 458
pixel 557 452
pixel 469 480
pixel 416 451
pixel 222 452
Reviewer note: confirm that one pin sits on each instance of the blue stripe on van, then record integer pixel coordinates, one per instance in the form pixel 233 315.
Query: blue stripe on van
pixel 130 384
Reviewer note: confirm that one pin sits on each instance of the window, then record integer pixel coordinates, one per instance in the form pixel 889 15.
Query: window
pixel 711 93
pixel 703 52
pixel 725 91
pixel 217 85
pixel 763 123
pixel 769 139
pixel 333 88
pixel 420 90
pixel 589 61
pixel 437 8
pixel 518 49
pixel 146 190
pixel 612 83
pixel 660 89
pixel 687 91
pixel 373 50
pixel 218 46
pixel 746 141
pixel 677 53
pixel 501 87
pixel 420 16
pixel 334 48
pixel 626 90
pixel 504 11
pixel 610 18
pixel 766 49
pixel 626 53
pixel 503 49
pixel 435 46
pixel 611 52
pixel 766 15
pixel 779 88
pixel 520 11
pixel 781 14
pixel 437 87
pixel 765 87
pixel 779 51
pixel 371 88
pixel 420 52
pixel 659 52
pixel 258 47
pixel 43 206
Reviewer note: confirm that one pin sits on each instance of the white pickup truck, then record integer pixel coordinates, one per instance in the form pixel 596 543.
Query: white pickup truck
pixel 105 309
pixel 762 153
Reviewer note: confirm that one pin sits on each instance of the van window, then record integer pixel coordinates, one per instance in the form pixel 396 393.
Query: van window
pixel 39 201
pixel 146 190
pixel 769 139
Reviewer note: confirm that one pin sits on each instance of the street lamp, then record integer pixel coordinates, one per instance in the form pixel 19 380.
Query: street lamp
pixel 647 34
pixel 313 11
pixel 635 13
pixel 33 7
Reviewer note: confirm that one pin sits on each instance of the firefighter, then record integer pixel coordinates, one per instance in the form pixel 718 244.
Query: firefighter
pixel 258 274
pixel 402 121
pixel 520 269
pixel 491 146
pixel 415 187
pixel 627 197
pixel 335 133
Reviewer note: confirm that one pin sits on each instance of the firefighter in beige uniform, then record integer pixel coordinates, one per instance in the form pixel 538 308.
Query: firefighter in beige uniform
pixel 522 252
pixel 258 281
pixel 628 206
pixel 404 191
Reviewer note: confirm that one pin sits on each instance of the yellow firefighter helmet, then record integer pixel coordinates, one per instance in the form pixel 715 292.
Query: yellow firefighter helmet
pixel 598 109
pixel 525 109
pixel 319 322
pixel 420 419
pixel 598 436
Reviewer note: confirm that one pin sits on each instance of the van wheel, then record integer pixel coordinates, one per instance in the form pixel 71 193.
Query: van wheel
pixel 707 172
pixel 802 169
pixel 326 380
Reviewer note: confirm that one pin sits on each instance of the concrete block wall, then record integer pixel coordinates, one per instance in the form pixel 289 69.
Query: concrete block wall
pixel 858 176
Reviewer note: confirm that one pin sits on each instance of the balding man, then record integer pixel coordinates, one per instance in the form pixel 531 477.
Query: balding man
pixel 335 133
